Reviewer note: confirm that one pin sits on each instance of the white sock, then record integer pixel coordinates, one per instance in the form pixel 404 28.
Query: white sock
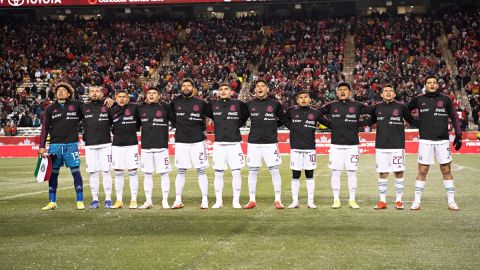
pixel 252 182
pixel 119 185
pixel 236 185
pixel 295 190
pixel 276 181
pixel 107 185
pixel 382 185
pixel 450 188
pixel 94 184
pixel 203 183
pixel 399 185
pixel 165 185
pixel 419 186
pixel 352 184
pixel 179 184
pixel 133 184
pixel 218 185
pixel 148 186
pixel 310 189
pixel 335 181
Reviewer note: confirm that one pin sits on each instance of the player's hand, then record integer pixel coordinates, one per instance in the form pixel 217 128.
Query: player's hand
pixel 457 142
pixel 42 152
pixel 108 102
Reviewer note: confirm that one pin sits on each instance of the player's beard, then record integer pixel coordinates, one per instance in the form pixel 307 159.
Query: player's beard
pixel 187 94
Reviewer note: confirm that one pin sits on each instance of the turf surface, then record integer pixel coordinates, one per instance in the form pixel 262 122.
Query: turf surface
pixel 262 238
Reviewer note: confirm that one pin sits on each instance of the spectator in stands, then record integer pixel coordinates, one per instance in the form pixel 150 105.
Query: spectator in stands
pixel 25 120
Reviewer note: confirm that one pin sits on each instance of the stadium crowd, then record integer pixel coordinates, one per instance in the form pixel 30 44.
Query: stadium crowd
pixel 291 55
pixel 463 32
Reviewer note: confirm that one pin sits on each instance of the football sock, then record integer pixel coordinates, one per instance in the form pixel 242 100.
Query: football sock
pixel 335 181
pixel 133 184
pixel 148 186
pixel 78 182
pixel 180 183
pixel 119 185
pixel 382 185
pixel 419 186
pixel 352 184
pixel 450 188
pixel 94 184
pixel 236 184
pixel 295 189
pixel 218 185
pixel 165 185
pixel 252 182
pixel 310 189
pixel 399 185
pixel 53 184
pixel 276 181
pixel 203 183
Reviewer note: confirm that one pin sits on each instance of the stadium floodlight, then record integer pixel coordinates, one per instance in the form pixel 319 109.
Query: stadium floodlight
pixel 128 11
pixel 68 11
pixel 298 6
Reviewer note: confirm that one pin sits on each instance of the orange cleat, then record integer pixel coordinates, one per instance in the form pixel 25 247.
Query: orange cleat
pixel 380 205
pixel 250 205
pixel 279 205
pixel 399 205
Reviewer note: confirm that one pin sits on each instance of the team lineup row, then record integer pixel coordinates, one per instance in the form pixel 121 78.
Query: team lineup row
pixel 104 117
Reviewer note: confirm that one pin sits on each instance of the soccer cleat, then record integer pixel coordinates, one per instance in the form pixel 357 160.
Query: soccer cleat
pixel 250 205
pixel 279 205
pixel 108 204
pixel 217 205
pixel 380 205
pixel 133 205
pixel 146 205
pixel 353 204
pixel 50 206
pixel 204 204
pixel 177 205
pixel 94 205
pixel 118 205
pixel 311 205
pixel 399 205
pixel 80 205
pixel 236 205
pixel 336 204
pixel 165 204
pixel 453 206
pixel 415 206
pixel 293 205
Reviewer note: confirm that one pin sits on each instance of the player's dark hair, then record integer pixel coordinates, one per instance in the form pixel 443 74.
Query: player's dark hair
pixel 153 88
pixel 225 84
pixel 121 91
pixel 66 86
pixel 303 92
pixel 188 80
pixel 431 77
pixel 344 84
pixel 261 81
pixel 388 85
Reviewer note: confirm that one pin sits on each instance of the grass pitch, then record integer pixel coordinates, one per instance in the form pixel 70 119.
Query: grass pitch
pixel 262 238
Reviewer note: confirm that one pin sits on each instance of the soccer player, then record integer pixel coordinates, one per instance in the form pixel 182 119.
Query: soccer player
pixel 390 144
pixel 125 156
pixel 61 121
pixel 98 145
pixel 302 122
pixel 434 111
pixel 155 116
pixel 190 148
pixel 228 116
pixel 266 115
pixel 345 120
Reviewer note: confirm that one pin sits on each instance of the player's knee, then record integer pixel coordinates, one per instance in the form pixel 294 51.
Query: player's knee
pixel 94 173
pixel 445 169
pixel 351 173
pixel 74 169
pixel 423 170
pixel 182 171
pixel 309 174
pixel 385 175
pixel 399 174
pixel 219 171
pixel 56 170
pixel 296 174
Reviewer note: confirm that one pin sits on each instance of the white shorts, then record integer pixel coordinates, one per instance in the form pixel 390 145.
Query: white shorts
pixel 428 149
pixel 343 157
pixel 303 159
pixel 188 155
pixel 230 154
pixel 98 157
pixel 390 160
pixel 125 157
pixel 268 152
pixel 157 161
